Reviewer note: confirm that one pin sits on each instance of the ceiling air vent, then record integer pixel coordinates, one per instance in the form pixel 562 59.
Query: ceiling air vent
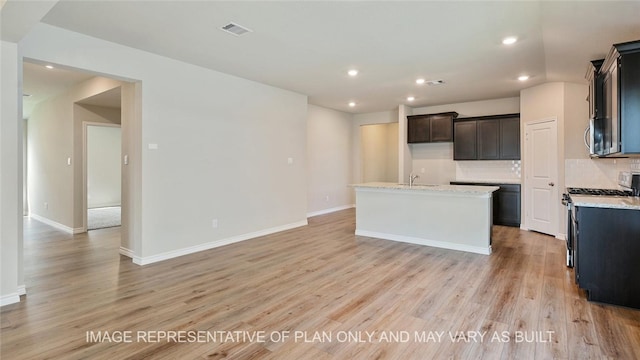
pixel 435 82
pixel 235 29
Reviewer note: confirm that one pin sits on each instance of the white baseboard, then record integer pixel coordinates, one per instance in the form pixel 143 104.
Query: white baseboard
pixel 10 298
pixel 328 211
pixel 213 244
pixel 22 290
pixel 561 236
pixel 57 225
pixel 426 242
pixel 94 206
pixel 126 252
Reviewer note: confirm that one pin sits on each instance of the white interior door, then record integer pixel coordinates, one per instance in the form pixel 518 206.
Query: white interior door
pixel 541 176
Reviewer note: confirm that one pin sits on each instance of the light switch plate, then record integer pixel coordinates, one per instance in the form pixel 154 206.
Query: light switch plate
pixel 153 146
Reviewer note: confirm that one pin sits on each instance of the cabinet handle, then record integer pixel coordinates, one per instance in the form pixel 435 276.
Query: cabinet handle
pixel 586 133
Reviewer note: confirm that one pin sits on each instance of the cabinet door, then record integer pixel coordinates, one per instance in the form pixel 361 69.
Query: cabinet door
pixel 507 206
pixel 464 143
pixel 510 139
pixel 607 249
pixel 610 107
pixel 630 103
pixel 441 128
pixel 418 129
pixel 595 89
pixel 488 139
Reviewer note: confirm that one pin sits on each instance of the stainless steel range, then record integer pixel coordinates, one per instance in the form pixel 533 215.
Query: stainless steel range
pixel 598 192
pixel 630 184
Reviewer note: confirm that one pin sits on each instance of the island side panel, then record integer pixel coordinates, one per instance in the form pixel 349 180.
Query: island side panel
pixel 455 221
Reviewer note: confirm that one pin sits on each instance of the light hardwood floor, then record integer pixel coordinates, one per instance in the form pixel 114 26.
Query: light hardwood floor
pixel 319 279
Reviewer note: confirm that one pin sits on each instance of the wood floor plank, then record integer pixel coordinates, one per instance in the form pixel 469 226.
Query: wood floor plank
pixel 321 279
pixel 614 341
pixel 553 320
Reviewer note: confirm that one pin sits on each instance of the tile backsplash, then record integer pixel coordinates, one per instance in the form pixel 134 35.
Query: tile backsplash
pixel 488 170
pixel 597 173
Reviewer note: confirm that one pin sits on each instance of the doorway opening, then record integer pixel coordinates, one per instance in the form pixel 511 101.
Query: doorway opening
pixel 66 109
pixel 102 181
pixel 101 119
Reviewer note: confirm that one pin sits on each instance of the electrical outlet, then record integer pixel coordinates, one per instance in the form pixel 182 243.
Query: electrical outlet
pixel 46 206
pixel 214 223
pixel 326 198
pixel 422 170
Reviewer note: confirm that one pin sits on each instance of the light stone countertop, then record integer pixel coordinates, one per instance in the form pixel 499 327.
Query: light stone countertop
pixel 491 181
pixel 458 189
pixel 612 202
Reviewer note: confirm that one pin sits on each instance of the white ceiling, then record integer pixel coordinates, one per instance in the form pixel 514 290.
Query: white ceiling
pixel 308 46
pixel 41 83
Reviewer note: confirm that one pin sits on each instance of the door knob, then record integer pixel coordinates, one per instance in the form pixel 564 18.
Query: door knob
pixel 551 184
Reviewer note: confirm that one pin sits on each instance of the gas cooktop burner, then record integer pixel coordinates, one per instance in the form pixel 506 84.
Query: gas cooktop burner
pixel 600 192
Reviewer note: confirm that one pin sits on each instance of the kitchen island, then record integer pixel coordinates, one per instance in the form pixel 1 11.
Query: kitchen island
pixel 453 217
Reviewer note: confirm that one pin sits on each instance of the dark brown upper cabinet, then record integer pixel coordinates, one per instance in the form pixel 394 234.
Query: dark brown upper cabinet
pixel 488 139
pixel 430 127
pixel 510 138
pixel 495 137
pixel 464 143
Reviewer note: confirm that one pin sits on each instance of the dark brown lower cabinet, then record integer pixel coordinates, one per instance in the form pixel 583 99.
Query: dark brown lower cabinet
pixel 506 203
pixel 607 252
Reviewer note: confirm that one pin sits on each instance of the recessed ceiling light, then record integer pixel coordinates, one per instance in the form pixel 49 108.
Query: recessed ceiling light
pixel 420 81
pixel 352 72
pixel 523 77
pixel 410 98
pixel 352 104
pixel 49 66
pixel 509 40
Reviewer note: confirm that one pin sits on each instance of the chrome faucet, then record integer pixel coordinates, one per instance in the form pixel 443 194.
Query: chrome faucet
pixel 412 178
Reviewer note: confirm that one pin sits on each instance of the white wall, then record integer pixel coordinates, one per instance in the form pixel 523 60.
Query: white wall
pixel 405 162
pixel 576 120
pixel 379 152
pixel 328 159
pixel 103 166
pixel 11 276
pixel 475 108
pixel 222 145
pixel 25 194
pixel 392 156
